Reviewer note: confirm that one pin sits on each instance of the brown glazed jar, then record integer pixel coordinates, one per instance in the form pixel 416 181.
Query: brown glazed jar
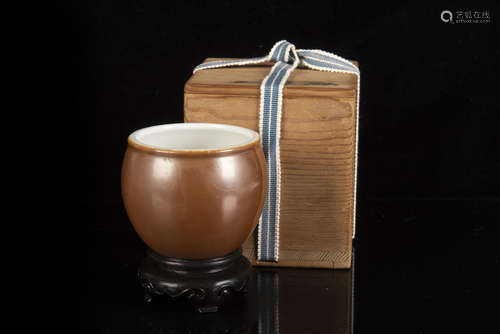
pixel 194 190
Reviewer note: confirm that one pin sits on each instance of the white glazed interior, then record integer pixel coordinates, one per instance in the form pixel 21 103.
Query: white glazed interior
pixel 194 136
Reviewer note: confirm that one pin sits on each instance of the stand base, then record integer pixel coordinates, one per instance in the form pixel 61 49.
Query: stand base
pixel 206 284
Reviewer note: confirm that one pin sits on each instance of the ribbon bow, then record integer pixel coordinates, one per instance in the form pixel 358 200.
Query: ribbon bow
pixel 287 58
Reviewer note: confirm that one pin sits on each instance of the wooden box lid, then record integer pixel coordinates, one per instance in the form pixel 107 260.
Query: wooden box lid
pixel 246 80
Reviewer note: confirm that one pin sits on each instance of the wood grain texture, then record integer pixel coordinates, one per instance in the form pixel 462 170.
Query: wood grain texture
pixel 317 154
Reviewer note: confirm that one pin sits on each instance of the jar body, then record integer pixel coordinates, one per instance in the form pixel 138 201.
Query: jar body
pixel 194 205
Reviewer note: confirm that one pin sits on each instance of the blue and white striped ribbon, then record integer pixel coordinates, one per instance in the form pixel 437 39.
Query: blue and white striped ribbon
pixel 287 58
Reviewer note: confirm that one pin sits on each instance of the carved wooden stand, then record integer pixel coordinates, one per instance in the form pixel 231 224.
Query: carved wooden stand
pixel 204 283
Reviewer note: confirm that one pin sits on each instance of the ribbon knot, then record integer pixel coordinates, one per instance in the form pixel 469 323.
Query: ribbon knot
pixel 286 59
pixel 281 51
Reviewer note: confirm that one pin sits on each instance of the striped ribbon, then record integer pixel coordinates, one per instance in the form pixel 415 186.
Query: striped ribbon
pixel 286 59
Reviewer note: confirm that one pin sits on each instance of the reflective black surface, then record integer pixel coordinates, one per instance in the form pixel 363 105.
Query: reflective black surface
pixel 287 301
pixel 430 278
pixel 278 300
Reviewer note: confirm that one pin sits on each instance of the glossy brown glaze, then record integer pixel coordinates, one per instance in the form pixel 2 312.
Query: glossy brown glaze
pixel 194 204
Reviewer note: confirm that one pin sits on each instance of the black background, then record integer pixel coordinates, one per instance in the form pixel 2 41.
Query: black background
pixel 429 161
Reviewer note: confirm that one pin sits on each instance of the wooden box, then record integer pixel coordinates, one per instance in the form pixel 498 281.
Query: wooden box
pixel 318 148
